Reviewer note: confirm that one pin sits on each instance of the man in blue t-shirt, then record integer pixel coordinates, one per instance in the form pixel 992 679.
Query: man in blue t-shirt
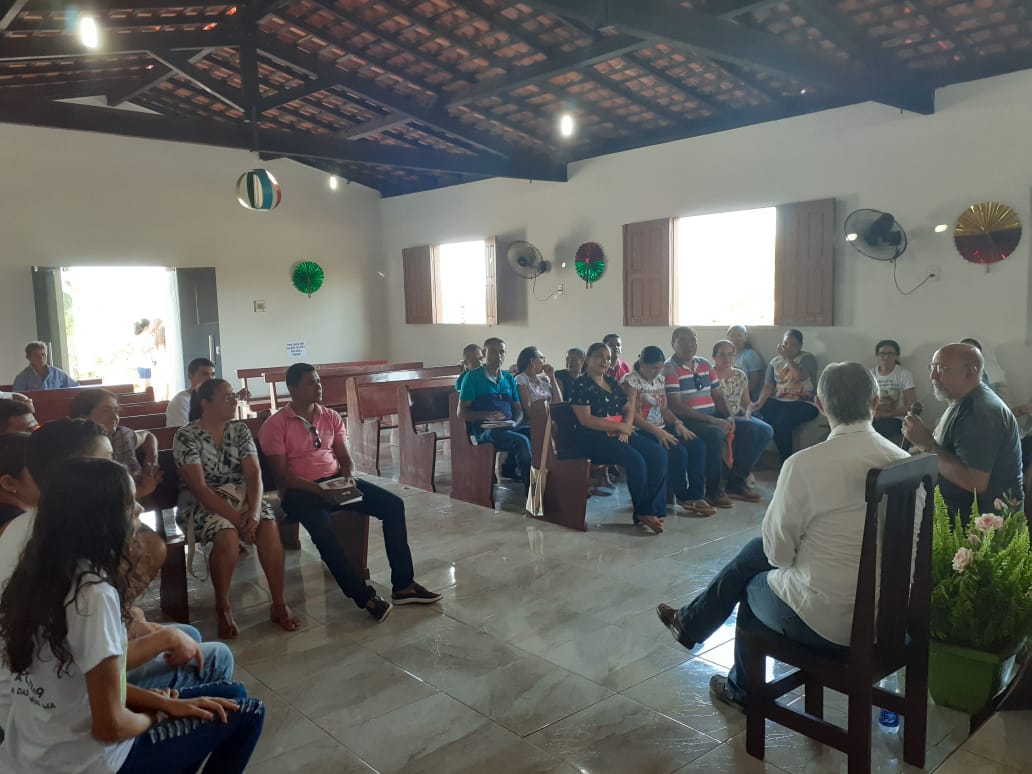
pixel 488 397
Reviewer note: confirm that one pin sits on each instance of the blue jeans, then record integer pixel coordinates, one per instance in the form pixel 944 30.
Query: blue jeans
pixel 785 416
pixel 181 744
pixel 314 513
pixel 515 443
pixel 744 579
pixel 686 467
pixel 752 437
pixel 714 438
pixel 644 460
pixel 157 673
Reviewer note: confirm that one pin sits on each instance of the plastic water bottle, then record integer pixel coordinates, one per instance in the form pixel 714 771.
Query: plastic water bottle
pixel 888 721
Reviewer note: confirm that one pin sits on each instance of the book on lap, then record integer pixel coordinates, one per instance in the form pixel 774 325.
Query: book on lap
pixel 341 490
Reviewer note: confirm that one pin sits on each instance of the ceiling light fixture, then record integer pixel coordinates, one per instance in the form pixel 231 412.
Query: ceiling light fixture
pixel 941 227
pixel 852 237
pixel 334 182
pixel 566 125
pixel 88 32
pixel 802 91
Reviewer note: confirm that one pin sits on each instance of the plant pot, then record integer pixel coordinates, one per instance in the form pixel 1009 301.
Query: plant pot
pixel 966 679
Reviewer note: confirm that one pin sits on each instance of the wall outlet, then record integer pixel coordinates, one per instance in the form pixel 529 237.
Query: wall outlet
pixel 259 306
pixel 559 289
pixel 934 273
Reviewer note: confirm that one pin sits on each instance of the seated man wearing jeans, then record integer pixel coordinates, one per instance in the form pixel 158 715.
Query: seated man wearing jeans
pixel 306 443
pixel 489 394
pixel 799 579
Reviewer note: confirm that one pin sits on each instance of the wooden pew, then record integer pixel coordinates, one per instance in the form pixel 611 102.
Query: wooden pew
pixel 472 464
pixel 134 409
pixel 566 476
pixel 418 451
pixel 334 380
pixel 53 404
pixel 373 397
pixel 243 374
pixel 143 421
pixel 352 529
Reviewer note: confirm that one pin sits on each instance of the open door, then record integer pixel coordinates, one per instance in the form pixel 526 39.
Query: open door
pixel 199 316
pixel 50 313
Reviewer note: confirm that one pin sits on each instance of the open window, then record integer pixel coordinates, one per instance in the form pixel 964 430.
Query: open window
pixel 454 283
pixel 768 266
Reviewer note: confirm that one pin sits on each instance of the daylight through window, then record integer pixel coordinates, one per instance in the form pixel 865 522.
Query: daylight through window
pixel 461 280
pixel 725 268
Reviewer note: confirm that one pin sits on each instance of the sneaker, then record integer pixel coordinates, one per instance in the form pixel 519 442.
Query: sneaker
pixel 380 609
pixel 670 620
pixel 718 690
pixel 743 492
pixel 697 507
pixel 418 596
pixel 720 501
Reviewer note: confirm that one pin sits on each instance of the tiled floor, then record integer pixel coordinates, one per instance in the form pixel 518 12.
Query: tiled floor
pixel 545 655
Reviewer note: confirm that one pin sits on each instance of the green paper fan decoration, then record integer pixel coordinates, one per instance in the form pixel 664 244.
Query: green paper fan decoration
pixel 590 262
pixel 308 277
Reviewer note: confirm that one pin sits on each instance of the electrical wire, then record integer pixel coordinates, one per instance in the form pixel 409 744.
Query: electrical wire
pixel 913 289
pixel 533 290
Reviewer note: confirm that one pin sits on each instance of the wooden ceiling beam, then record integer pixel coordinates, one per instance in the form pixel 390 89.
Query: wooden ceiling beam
pixel 433 116
pixel 724 40
pixel 729 9
pixel 11 9
pixel 219 89
pixel 65 115
pixel 53 47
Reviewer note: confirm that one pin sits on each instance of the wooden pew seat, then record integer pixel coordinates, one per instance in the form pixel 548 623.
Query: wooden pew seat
pixel 472 463
pixel 418 450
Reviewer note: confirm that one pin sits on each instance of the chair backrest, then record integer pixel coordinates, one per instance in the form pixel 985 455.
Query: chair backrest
pixel 903 574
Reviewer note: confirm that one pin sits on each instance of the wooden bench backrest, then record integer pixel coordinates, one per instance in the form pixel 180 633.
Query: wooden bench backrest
pixel 143 421
pixel 164 436
pixel 54 404
pixel 67 393
pixel 564 428
pixel 281 371
pixel 376 395
pixel 334 369
pixel 135 409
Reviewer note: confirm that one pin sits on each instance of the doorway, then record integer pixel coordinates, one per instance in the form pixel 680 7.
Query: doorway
pixel 125 324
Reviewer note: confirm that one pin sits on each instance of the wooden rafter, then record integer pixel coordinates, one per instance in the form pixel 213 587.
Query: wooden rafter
pixel 68 46
pixel 10 11
pixel 724 40
pixel 217 88
pixel 65 115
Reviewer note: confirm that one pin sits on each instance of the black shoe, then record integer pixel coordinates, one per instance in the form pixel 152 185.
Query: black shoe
pixel 669 618
pixel 380 608
pixel 718 690
pixel 418 596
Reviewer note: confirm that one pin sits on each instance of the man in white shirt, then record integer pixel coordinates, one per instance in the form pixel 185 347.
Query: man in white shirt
pixel 198 372
pixel 799 578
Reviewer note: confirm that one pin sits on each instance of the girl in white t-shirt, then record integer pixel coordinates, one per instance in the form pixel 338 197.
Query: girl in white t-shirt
pixel 63 618
pixel 896 391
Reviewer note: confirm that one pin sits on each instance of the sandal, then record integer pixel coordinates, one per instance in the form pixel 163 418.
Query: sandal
pixel 653 522
pixel 227 627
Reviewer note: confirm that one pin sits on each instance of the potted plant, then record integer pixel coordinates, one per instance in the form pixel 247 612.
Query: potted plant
pixel 981 609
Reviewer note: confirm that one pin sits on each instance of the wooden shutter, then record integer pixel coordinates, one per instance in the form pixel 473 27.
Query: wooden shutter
pixel 648 270
pixel 804 264
pixel 417 263
pixel 491 281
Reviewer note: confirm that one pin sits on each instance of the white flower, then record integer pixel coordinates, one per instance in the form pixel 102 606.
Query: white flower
pixel 987 522
pixel 999 504
pixel 962 559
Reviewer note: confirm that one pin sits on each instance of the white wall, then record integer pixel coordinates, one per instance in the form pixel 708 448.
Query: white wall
pixel 78 198
pixel 924 169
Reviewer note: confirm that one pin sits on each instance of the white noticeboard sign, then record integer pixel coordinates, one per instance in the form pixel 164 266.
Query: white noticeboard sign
pixel 296 349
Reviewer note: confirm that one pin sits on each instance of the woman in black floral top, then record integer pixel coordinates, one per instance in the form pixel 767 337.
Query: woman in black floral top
pixel 605 434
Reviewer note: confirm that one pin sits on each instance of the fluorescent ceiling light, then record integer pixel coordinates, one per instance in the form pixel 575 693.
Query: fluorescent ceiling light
pixel 88 32
pixel 566 125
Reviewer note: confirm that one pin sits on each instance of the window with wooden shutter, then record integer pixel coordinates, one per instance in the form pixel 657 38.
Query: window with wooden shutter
pixel 417 265
pixel 648 270
pixel 804 264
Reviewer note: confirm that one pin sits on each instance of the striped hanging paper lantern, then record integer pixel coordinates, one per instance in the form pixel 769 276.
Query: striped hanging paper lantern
pixel 258 190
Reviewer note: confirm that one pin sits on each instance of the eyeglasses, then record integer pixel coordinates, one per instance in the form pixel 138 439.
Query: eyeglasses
pixel 933 367
pixel 316 441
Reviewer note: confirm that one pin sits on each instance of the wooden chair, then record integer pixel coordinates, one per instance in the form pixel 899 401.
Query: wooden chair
pixel 566 476
pixel 888 634
pixel 472 464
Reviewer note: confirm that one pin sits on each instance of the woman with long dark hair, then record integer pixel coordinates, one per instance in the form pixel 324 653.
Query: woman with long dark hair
pixel 605 434
pixel 220 499
pixel 18 492
pixel 686 452
pixel 535 379
pixel 63 618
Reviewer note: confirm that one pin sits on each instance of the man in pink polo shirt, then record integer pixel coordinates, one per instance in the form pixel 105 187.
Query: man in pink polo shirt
pixel 305 443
